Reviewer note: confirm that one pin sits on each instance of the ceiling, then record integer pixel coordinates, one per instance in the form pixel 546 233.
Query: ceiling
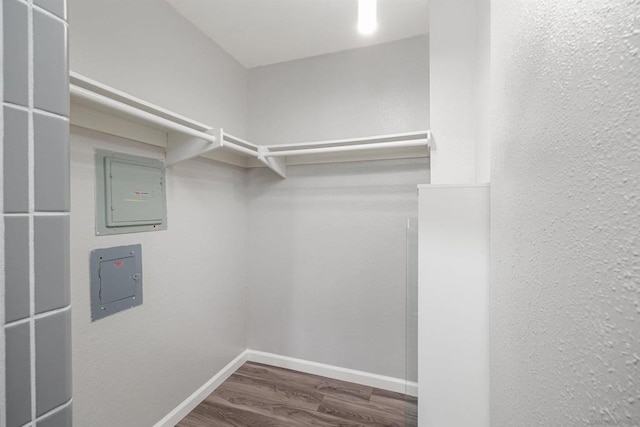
pixel 262 32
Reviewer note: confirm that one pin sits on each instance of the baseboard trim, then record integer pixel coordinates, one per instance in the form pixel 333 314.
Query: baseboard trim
pixel 183 409
pixel 335 372
pixel 351 375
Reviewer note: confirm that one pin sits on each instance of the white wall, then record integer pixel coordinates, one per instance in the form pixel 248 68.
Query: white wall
pixel 459 79
pixel 327 262
pixel 483 91
pixel 453 302
pixel 146 48
pixel 328 245
pixel 132 368
pixel 360 92
pixel 565 213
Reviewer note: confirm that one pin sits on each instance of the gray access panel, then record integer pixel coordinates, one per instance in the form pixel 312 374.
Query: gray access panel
pixel 116 280
pixel 130 193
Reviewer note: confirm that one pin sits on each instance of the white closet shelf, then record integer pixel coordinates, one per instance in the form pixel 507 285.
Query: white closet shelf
pixel 100 107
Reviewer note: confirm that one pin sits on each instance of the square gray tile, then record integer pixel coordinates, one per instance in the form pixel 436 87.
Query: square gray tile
pixel 57 7
pixel 16 261
pixel 61 418
pixel 18 372
pixel 53 361
pixel 16 160
pixel 16 52
pixel 51 163
pixel 51 262
pixel 51 65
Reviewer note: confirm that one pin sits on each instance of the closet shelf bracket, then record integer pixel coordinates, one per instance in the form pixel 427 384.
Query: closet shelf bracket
pixel 181 147
pixel 278 165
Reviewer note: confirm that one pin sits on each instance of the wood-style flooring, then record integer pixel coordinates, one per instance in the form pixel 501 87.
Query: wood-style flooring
pixel 259 395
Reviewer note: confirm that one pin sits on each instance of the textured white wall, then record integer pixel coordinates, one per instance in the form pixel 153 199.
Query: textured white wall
pixel 327 271
pixel 132 368
pixel 145 48
pixel 565 298
pixel 368 91
pixel 459 62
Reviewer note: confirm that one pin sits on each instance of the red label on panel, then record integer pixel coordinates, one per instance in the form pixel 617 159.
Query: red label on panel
pixel 117 263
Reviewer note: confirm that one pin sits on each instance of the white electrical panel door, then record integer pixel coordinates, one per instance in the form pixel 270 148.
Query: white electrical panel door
pixel 131 194
pixel 135 192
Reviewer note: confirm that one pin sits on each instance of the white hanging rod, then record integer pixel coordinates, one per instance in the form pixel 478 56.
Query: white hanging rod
pixel 240 148
pixel 363 139
pixel 239 145
pixel 230 138
pixel 118 95
pixel 344 148
pixel 94 98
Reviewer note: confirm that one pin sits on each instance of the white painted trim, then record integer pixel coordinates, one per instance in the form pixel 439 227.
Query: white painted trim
pixel 184 408
pixel 335 372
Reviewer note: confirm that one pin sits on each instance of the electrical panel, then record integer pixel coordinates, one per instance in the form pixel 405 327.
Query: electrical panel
pixel 116 280
pixel 131 194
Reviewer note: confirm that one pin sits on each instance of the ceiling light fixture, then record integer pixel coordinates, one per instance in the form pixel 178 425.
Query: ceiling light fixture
pixel 367 16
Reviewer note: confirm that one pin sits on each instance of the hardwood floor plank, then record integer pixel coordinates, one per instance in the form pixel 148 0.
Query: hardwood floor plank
pixel 326 386
pixel 290 393
pixel 259 395
pixel 270 408
pixel 392 406
pixel 198 418
pixel 363 412
pixel 228 415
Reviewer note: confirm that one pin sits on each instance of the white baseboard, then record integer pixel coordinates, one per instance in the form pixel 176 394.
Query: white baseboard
pixel 351 375
pixel 183 409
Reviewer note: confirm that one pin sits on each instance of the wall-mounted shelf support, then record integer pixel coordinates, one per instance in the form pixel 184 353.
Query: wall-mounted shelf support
pixel 278 165
pixel 182 147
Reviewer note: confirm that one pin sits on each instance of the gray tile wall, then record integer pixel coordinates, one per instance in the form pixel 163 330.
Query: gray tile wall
pixel 35 380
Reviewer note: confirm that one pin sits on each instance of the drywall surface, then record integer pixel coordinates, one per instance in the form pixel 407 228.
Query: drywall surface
pixel 328 245
pixel 483 91
pixel 453 303
pixel 459 80
pixel 360 92
pixel 149 50
pixel 132 368
pixel 565 292
pixel 328 262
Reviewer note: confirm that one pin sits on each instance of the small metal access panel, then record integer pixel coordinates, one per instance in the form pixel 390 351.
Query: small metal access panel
pixel 131 195
pixel 116 280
